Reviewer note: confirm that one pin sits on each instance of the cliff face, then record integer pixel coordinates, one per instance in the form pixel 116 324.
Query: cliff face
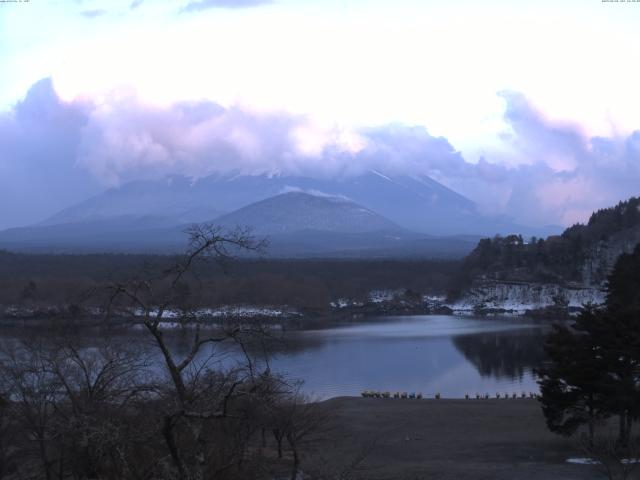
pixel 519 297
pixel 602 256
pixel 569 270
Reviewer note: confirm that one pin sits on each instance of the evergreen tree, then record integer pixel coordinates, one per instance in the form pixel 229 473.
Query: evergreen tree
pixel 621 339
pixel 593 368
pixel 571 383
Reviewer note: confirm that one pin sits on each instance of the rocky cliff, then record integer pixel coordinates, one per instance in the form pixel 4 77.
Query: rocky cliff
pixel 602 256
pixel 523 297
pixel 559 273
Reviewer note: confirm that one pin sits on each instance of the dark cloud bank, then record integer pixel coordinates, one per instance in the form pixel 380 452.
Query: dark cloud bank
pixel 56 153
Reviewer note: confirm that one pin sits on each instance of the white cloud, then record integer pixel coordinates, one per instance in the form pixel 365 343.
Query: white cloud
pixel 544 171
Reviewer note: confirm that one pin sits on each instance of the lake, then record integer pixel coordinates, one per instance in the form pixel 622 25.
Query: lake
pixel 450 355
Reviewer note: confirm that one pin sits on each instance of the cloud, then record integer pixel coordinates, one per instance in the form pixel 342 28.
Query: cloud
pixel 550 171
pixel 125 139
pixel 83 147
pixel 93 13
pixel 58 153
pixel 586 172
pixel 135 4
pixel 197 6
pixel 38 141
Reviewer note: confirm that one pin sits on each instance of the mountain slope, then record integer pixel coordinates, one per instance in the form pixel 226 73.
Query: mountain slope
pixel 295 211
pixel 414 202
pixel 296 225
pixel 583 254
pixel 173 199
pixel 548 277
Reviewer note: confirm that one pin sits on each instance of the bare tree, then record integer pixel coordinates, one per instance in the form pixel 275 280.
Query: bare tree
pixel 294 418
pixel 97 386
pixel 69 407
pixel 33 393
pixel 196 396
pixel 87 408
pixel 5 433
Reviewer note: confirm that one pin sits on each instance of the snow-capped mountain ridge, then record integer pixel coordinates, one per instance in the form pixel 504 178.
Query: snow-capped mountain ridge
pixel 415 202
pixel 297 211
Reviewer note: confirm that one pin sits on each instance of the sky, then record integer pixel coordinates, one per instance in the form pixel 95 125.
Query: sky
pixel 529 108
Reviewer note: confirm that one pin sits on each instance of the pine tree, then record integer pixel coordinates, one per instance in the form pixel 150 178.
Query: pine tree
pixel 621 340
pixel 593 368
pixel 571 383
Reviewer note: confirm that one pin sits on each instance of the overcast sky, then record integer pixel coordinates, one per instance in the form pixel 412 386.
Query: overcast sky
pixel 529 108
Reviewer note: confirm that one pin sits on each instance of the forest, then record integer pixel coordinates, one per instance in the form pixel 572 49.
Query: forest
pixel 308 285
pixel 556 259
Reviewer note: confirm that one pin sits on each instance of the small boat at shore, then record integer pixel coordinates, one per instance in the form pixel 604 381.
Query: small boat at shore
pixel 438 396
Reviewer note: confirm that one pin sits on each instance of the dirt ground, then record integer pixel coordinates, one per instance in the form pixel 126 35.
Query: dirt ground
pixel 447 439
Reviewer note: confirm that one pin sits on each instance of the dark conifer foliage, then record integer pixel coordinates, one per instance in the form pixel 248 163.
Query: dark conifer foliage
pixel 554 259
pixel 572 381
pixel 593 370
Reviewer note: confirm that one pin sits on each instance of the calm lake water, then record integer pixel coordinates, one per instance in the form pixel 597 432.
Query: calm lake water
pixel 427 353
pixel 451 355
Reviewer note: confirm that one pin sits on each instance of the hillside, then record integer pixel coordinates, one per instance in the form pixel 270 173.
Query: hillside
pixel 572 265
pixel 175 200
pixel 296 211
pixel 415 202
pixel 572 256
pixel 296 225
pixel 408 200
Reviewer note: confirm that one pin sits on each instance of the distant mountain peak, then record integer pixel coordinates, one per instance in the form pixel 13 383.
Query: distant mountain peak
pixel 415 202
pixel 298 211
pixel 313 192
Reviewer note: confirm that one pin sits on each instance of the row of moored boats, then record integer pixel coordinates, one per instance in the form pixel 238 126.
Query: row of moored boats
pixel 437 396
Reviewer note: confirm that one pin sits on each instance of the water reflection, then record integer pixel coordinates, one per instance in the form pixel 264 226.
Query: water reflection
pixel 449 355
pixel 428 354
pixel 503 354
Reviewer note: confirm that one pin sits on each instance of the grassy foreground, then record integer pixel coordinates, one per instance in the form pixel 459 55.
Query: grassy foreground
pixel 449 439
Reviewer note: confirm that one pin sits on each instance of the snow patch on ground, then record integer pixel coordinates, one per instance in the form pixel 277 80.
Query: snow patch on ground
pixel 226 311
pixel 246 311
pixel 345 303
pixel 592 461
pixel 582 461
pixel 518 297
pixel 379 296
pixel 434 299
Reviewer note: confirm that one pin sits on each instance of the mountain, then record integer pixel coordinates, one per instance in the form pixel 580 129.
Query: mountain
pixel 296 211
pixel 415 202
pixel 173 201
pixel 303 225
pixel 379 214
pixel 296 224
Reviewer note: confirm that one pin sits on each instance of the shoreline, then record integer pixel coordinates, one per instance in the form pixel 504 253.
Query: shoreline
pixel 451 439
pixel 10 316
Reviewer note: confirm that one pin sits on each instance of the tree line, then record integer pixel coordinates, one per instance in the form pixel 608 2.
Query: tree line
pixel 556 259
pixel 39 281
